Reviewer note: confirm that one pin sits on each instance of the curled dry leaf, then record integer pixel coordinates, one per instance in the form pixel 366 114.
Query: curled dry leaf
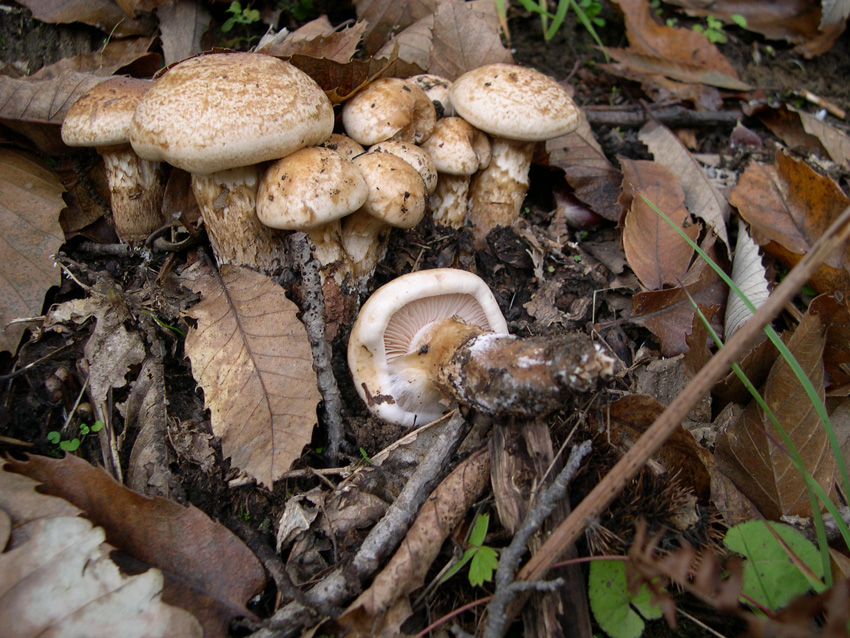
pixel 319 39
pixel 748 450
pixel 595 180
pixel 414 43
pixel 789 206
pixel 748 275
pixel 181 26
pixel 385 17
pixel 701 196
pixel 835 315
pixel 57 576
pixel 805 133
pixel 207 570
pixel 103 14
pixel 407 569
pixel 656 253
pixel 29 222
pixel 251 356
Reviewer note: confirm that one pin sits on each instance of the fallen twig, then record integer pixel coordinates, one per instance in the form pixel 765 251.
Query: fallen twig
pixel 595 503
pixel 672 116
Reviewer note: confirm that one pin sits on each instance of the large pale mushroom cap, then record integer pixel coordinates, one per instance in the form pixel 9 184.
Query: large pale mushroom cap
pixel 102 117
pixel 514 102
pixel 311 187
pixel 457 148
pixel 396 191
pixel 389 108
pixel 388 328
pixel 215 112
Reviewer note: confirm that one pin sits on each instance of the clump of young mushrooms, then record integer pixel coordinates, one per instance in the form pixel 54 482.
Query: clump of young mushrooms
pixel 432 339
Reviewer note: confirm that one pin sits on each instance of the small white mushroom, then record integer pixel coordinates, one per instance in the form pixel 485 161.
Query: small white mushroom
pixel 389 108
pixel 517 107
pixel 437 88
pixel 413 155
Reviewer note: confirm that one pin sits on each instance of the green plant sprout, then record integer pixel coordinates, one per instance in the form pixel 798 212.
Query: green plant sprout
pixel 482 559
pixel 713 29
pixel 301 10
pixel 587 13
pixel 162 324
pixel 246 16
pixel 72 445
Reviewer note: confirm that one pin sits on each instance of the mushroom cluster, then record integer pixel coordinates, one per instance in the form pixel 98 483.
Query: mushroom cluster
pixel 256 135
pixel 432 339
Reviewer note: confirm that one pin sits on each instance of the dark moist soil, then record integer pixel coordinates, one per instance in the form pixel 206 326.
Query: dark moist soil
pixel 36 402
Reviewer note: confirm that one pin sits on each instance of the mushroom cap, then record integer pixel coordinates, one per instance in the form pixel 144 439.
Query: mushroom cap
pixel 396 191
pixel 102 117
pixel 389 108
pixel 413 155
pixel 514 102
pixel 387 327
pixel 311 187
pixel 436 88
pixel 344 145
pixel 225 110
pixel 457 147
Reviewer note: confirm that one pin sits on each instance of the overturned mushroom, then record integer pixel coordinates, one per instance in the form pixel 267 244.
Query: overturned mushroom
pixel 101 119
pixel 517 107
pixel 435 337
pixel 218 116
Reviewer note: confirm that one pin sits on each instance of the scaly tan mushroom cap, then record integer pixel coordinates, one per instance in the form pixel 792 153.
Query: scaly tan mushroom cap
pixel 389 108
pixel 393 324
pixel 396 199
pixel 220 111
pixel 344 145
pixel 517 106
pixel 437 88
pixel 458 150
pixel 101 118
pixel 413 155
pixel 311 190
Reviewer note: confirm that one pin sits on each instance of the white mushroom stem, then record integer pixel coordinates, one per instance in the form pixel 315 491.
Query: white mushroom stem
pixel 497 192
pixel 327 239
pixel 448 202
pixel 228 203
pixel 136 188
pixel 365 240
pixel 501 374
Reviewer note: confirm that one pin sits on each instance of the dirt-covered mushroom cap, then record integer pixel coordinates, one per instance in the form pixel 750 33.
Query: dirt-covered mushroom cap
pixel 396 191
pixel 391 325
pixel 344 145
pixel 389 108
pixel 309 188
pixel 413 155
pixel 220 111
pixel 514 102
pixel 102 117
pixel 457 148
pixel 437 89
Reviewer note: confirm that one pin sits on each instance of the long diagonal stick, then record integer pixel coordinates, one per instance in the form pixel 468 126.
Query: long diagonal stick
pixel 595 503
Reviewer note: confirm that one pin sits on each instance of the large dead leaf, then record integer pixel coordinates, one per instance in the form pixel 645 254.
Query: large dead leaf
pixel 805 132
pixel 319 39
pixel 702 199
pixel 181 26
pixel 463 40
pixel 595 180
pixel 749 450
pixel 414 44
pixel 789 206
pixel 208 570
pixel 117 55
pixel 103 14
pixel 655 251
pixel 30 202
pixel 251 356
pixel 57 576
pixel 641 65
pixel 388 17
pixel 834 313
pixel 668 313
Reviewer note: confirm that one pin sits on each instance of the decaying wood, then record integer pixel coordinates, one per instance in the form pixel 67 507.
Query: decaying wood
pixel 670 116
pixel 630 464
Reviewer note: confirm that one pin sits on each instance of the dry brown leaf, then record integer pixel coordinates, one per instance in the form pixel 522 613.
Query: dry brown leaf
pixel 57 576
pixel 788 207
pixel 655 251
pixel 748 273
pixel 668 313
pixel 805 133
pixel 408 567
pixel 181 27
pixel 116 56
pixel 749 449
pixel 796 21
pixel 103 14
pixel 702 199
pixel 836 143
pixel 835 316
pixel 463 40
pixel 208 571
pixel 30 202
pixel 641 64
pixel 318 39
pixel 251 356
pixel 595 181
pixel 386 18
pixel 414 43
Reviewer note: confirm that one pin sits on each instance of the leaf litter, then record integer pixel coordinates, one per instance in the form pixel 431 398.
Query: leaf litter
pixel 249 449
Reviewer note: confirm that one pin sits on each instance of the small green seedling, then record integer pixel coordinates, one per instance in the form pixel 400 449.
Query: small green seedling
pixel 246 16
pixel 713 29
pixel 618 613
pixel 72 445
pixel 482 560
